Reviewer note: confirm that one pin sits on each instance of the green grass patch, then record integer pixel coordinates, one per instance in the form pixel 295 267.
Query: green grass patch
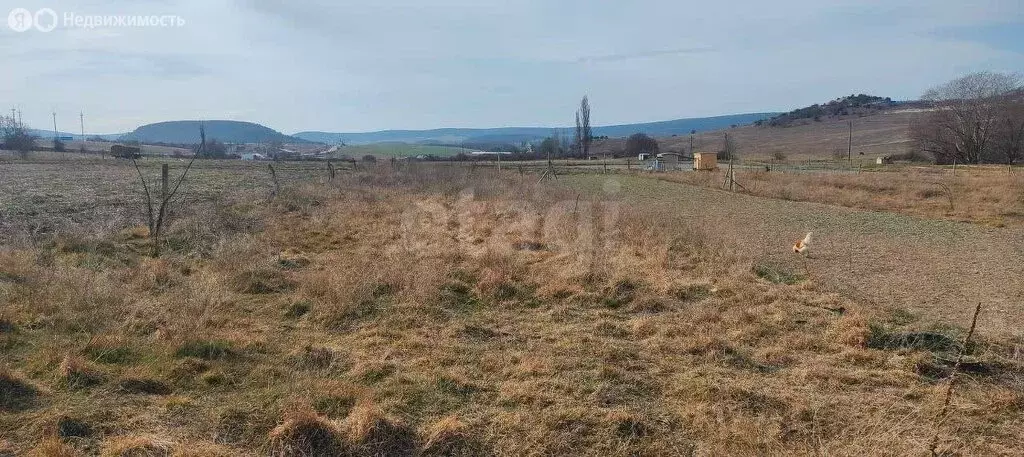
pixel 205 349
pixel 620 294
pixel 776 274
pixel 111 355
pixel 457 295
pixel 298 309
pixel 691 292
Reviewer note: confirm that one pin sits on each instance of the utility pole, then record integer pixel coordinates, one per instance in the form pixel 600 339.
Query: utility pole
pixel 56 139
pixel 81 118
pixel 849 151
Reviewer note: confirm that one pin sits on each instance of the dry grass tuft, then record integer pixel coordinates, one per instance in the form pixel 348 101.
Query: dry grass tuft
pixel 262 279
pixel 373 433
pixel 76 372
pixel 305 433
pixel 203 450
pixel 136 446
pixel 50 447
pixel 450 437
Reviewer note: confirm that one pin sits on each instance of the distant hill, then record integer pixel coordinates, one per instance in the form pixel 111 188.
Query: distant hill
pixel 187 132
pixel 513 135
pixel 883 133
pixel 852 105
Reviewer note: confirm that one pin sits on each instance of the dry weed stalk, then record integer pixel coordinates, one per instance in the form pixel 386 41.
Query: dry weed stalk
pixel 932 448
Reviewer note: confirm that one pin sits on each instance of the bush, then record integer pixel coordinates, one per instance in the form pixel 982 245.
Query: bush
pixel 16 136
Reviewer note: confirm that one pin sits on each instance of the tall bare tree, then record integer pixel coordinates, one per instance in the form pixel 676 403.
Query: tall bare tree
pixel 577 144
pixel 968 110
pixel 586 133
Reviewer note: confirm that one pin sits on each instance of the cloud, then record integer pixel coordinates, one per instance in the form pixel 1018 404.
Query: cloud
pixel 350 66
pixel 1007 36
pixel 644 55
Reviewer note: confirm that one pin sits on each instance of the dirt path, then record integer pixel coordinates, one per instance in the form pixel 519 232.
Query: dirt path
pixel 936 269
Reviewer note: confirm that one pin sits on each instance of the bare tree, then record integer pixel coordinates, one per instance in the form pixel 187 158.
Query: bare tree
pixel 961 129
pixel 1009 135
pixel 157 214
pixel 641 143
pixel 577 144
pixel 729 149
pixel 15 136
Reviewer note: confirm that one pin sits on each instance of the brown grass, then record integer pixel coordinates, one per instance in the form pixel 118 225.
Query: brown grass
pixel 303 433
pixel 136 446
pixel 985 195
pixel 431 311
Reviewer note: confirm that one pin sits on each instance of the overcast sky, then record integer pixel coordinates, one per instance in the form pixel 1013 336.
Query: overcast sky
pixel 358 66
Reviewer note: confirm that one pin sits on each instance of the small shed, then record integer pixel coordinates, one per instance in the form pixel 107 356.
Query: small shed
pixel 705 160
pixel 670 159
pixel 643 156
pixel 883 160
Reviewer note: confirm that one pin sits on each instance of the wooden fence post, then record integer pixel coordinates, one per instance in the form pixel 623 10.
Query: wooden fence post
pixel 273 174
pixel 164 182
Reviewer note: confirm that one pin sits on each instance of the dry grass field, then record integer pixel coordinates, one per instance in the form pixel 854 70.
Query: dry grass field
pixel 453 311
pixel 988 195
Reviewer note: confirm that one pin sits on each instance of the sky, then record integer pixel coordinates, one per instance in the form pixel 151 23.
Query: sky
pixel 345 66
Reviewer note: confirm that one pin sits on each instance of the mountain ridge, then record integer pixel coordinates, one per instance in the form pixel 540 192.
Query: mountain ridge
pixel 519 134
pixel 230 131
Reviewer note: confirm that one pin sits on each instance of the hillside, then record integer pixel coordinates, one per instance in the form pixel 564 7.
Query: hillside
pixel 883 133
pixel 187 132
pixel 520 134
